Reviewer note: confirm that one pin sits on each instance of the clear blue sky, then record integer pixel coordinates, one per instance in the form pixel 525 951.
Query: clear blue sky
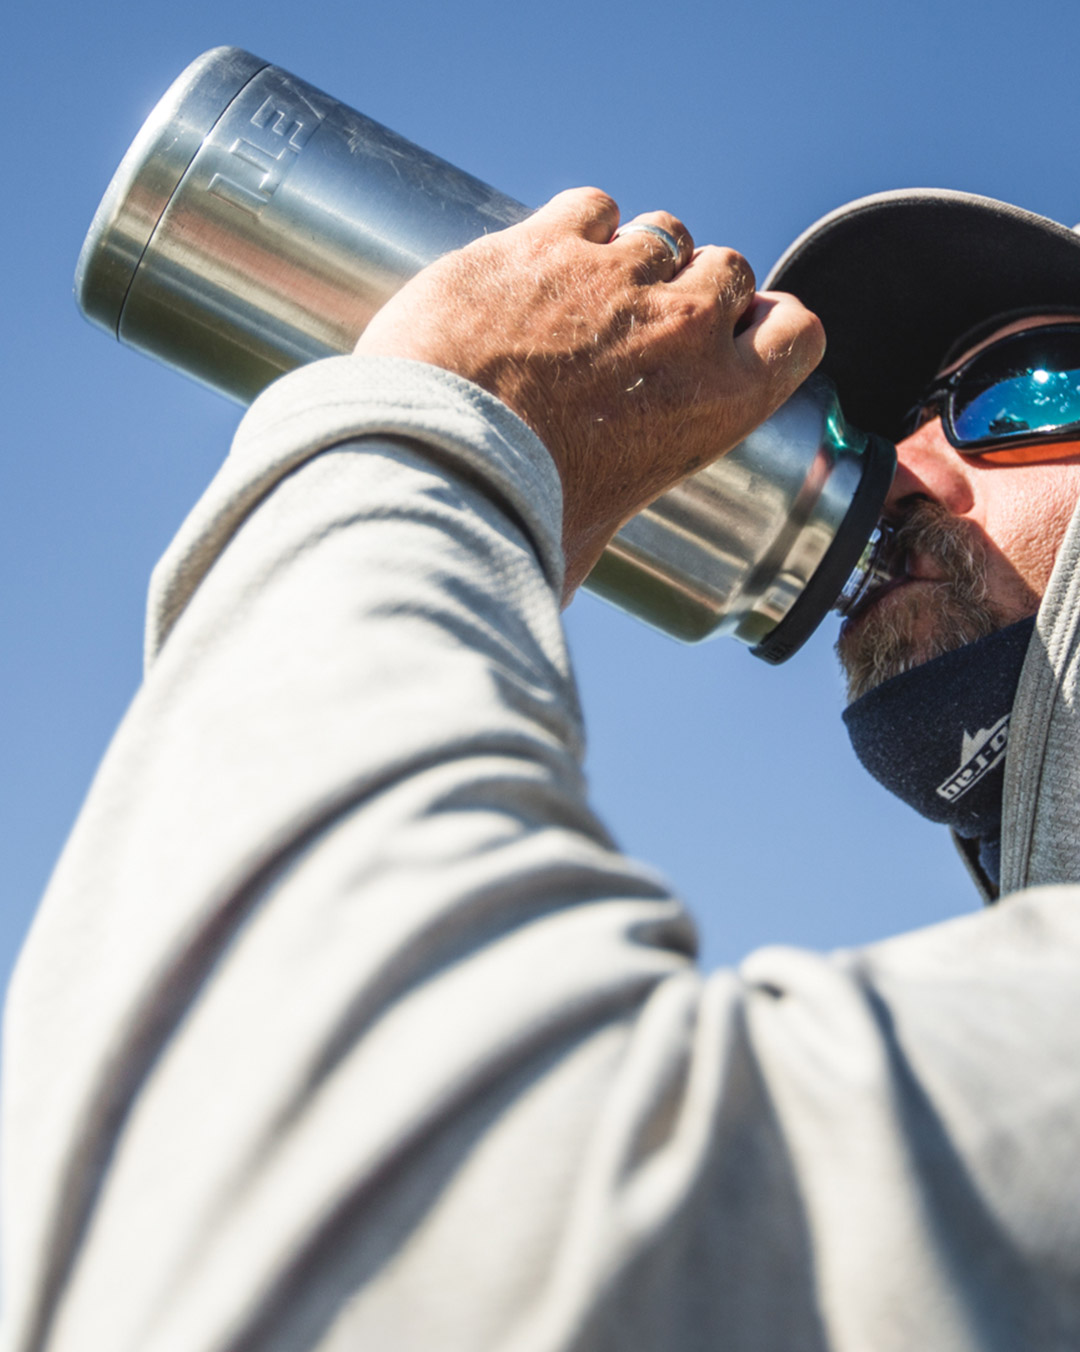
pixel 749 119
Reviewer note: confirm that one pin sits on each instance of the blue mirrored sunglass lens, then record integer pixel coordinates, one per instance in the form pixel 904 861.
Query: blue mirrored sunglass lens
pixel 1041 399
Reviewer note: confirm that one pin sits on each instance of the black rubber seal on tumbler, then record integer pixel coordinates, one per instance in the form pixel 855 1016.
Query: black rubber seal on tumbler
pixel 820 594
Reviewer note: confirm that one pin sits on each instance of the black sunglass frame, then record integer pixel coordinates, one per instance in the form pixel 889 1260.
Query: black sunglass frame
pixel 940 399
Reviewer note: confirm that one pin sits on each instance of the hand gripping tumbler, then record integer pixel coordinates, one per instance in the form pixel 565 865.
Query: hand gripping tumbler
pixel 257 224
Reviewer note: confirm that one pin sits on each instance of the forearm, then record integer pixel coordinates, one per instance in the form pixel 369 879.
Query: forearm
pixel 347 799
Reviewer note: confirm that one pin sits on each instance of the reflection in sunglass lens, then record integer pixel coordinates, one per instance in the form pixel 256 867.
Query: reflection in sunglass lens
pixel 1021 387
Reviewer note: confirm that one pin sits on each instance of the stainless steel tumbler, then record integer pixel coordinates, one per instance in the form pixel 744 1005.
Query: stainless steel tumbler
pixel 257 224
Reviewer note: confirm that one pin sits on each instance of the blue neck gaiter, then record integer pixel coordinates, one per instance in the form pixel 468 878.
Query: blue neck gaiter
pixel 936 736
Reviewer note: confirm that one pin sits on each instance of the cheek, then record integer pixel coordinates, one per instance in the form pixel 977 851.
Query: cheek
pixel 1027 529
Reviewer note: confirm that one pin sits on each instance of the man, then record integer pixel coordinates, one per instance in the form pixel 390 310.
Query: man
pixel 344 1023
pixel 913 288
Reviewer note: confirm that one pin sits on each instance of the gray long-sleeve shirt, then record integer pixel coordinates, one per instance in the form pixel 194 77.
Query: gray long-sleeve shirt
pixel 344 1025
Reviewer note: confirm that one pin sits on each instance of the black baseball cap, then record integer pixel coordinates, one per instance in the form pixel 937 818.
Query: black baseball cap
pixel 898 277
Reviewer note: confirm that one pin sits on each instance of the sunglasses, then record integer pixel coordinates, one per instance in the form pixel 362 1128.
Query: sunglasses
pixel 1008 401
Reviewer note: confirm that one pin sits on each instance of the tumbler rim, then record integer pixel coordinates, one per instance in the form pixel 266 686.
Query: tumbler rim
pixel 149 174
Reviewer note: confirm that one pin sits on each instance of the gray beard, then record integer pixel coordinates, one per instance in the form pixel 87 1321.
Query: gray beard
pixel 892 639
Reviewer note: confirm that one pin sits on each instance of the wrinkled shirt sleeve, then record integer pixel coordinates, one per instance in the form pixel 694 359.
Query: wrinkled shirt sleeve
pixel 345 1024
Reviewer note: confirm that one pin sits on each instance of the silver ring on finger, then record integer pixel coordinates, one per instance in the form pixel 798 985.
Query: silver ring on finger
pixel 658 232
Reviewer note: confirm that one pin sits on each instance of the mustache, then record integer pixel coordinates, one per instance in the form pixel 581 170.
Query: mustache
pixel 892 639
pixel 928 530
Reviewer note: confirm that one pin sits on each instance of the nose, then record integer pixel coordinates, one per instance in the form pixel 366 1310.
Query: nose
pixel 928 467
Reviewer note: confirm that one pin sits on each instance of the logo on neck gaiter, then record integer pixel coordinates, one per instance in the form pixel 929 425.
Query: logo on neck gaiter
pixel 978 756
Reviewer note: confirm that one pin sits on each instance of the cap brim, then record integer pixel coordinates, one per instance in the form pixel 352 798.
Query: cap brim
pixel 896 278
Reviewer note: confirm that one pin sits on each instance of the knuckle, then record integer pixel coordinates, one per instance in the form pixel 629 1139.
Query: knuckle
pixel 674 227
pixel 576 208
pixel 803 344
pixel 812 337
pixel 594 202
pixel 810 320
pixel 664 218
pixel 739 275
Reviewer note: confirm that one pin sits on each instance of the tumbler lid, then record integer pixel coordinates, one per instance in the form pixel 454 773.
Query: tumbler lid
pixel 148 176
